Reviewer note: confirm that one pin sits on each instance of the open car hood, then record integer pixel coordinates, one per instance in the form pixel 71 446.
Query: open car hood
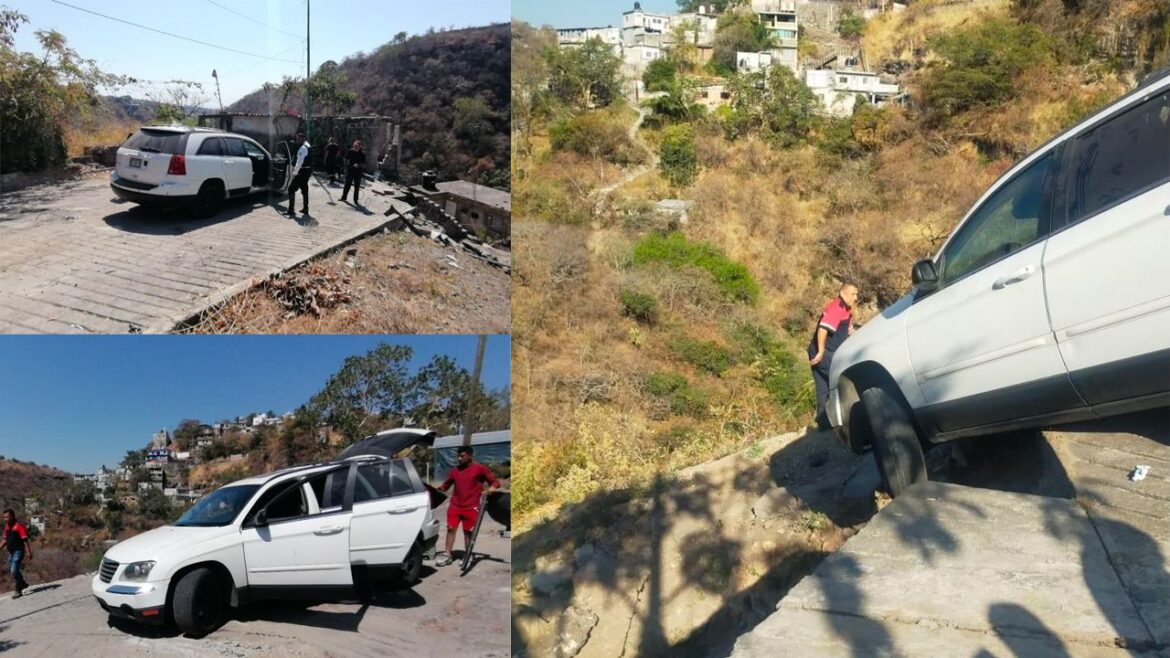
pixel 389 443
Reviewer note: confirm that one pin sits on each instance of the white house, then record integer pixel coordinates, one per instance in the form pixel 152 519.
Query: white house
pixel 160 439
pixel 577 36
pixel 712 94
pixel 38 522
pixel 838 90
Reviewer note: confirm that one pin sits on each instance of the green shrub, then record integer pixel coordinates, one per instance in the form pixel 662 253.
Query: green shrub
pixel 787 379
pixel 659 74
pixel 980 63
pixel 776 105
pixel 595 134
pixel 640 306
pixel 674 250
pixel 678 160
pixel 665 383
pixel 705 355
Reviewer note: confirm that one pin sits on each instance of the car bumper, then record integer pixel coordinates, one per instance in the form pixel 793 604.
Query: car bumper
pixel 141 602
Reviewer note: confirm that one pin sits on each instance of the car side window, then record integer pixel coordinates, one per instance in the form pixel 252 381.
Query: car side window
pixel 210 146
pixel 1121 158
pixel 329 488
pixel 234 147
pixel 373 482
pixel 289 504
pixel 253 150
pixel 1012 218
pixel 400 483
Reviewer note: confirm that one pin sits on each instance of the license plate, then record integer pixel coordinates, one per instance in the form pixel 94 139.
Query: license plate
pixel 136 162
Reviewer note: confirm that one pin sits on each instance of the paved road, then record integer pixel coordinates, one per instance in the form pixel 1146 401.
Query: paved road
pixel 75 259
pixel 957 570
pixel 444 615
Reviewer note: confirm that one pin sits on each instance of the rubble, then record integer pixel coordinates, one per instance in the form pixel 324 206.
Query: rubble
pixel 308 290
pixel 427 220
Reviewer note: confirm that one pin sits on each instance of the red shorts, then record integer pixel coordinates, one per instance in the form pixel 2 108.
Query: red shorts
pixel 467 514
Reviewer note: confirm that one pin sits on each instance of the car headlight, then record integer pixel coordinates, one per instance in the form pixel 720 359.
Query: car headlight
pixel 137 570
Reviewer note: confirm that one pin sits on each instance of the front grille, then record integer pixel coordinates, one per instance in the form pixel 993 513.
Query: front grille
pixel 107 570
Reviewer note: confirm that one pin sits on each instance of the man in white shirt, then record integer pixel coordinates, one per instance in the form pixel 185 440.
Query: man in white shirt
pixel 302 172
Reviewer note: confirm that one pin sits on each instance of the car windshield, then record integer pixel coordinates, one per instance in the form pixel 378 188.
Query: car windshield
pixel 219 507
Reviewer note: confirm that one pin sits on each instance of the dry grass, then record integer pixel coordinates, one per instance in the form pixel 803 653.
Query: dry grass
pixel 99 130
pixel 397 284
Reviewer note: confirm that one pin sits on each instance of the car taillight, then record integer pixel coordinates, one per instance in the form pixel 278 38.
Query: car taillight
pixel 178 166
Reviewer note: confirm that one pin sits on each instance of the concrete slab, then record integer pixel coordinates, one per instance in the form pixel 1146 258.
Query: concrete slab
pixel 946 563
pixel 77 260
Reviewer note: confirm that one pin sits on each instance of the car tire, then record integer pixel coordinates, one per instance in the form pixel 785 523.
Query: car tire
pixel 896 447
pixel 199 602
pixel 210 199
pixel 411 570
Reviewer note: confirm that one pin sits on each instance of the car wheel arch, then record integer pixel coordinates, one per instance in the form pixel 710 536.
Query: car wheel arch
pixel 218 568
pixel 857 378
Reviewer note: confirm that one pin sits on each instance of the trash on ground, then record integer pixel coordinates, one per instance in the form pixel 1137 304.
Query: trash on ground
pixel 309 290
pixel 1139 472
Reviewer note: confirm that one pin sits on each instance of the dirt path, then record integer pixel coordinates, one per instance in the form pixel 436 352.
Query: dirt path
pixel 602 194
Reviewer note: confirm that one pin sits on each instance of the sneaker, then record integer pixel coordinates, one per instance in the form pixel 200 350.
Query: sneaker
pixel 442 560
pixel 17 595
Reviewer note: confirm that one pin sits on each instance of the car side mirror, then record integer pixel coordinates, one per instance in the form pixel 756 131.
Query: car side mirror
pixel 924 276
pixel 261 518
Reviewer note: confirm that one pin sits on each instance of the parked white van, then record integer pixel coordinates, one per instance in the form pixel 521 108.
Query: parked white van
pixel 321 531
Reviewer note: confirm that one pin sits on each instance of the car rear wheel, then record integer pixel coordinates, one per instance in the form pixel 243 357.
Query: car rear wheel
pixel 411 569
pixel 210 199
pixel 895 441
pixel 200 602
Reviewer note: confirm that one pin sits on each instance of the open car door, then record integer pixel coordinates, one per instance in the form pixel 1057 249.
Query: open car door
pixel 281 172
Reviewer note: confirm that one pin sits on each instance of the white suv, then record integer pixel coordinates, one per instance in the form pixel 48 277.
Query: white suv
pixel 1049 303
pixel 168 165
pixel 322 531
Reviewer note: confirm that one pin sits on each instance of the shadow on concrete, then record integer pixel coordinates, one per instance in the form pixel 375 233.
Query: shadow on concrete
pixel 5 644
pixel 180 221
pixel 827 479
pixel 303 614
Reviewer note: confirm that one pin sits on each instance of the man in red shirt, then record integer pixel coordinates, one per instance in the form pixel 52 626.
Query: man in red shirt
pixel 834 326
pixel 468 478
pixel 16 539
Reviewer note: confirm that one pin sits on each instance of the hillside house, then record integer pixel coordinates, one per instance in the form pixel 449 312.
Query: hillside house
pixel 839 90
pixel 577 36
pixel 483 210
pixel 712 94
pixel 160 439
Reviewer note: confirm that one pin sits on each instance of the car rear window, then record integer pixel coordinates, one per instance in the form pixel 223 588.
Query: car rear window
pixel 158 141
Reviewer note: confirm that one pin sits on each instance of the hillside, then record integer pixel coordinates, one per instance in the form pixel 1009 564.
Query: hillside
pixel 648 341
pixel 450 91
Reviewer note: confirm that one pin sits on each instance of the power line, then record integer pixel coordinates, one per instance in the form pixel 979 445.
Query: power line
pixel 254 20
pixel 202 43
pixel 260 62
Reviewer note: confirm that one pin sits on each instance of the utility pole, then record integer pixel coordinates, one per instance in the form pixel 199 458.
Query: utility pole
pixel 308 101
pixel 473 394
pixel 218 97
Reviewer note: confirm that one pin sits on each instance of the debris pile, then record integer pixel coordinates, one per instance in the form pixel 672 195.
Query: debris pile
pixel 309 289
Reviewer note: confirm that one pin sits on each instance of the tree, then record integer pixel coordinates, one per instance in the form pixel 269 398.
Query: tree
pixel 678 161
pixel 38 94
pixel 442 389
pixel 584 77
pixel 134 458
pixel 677 103
pixel 660 74
pixel 531 100
pixel 82 493
pixel 179 101
pixel 186 433
pixel 153 504
pixel 735 32
pixel 326 89
pixel 373 386
pixel 851 25
pixel 775 104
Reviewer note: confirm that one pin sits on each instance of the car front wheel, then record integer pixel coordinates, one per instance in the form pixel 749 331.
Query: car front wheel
pixel 200 602
pixel 895 441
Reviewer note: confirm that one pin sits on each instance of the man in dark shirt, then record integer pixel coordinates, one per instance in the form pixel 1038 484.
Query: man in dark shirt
pixel 834 326
pixel 332 159
pixel 355 163
pixel 468 478
pixel 17 542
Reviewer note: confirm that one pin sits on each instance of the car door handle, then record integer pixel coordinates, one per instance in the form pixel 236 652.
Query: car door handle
pixel 1015 277
pixel 328 531
pixel 404 510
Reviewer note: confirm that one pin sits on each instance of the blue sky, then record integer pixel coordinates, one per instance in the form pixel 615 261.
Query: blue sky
pixel 79 402
pixel 339 28
pixel 594 13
